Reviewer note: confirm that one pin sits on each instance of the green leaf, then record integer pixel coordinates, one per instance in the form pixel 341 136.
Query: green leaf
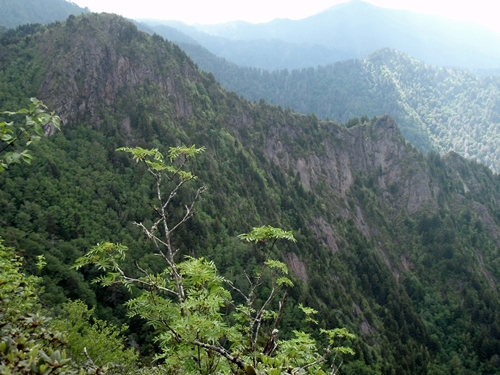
pixel 276 264
pixel 281 281
pixel 175 152
pixel 7 138
pixel 267 233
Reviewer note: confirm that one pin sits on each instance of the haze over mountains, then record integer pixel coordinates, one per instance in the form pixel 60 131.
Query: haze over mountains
pixel 345 31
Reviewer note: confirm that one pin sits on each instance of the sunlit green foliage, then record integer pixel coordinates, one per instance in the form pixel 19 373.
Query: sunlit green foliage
pixel 185 302
pixel 28 345
pixel 267 233
pixel 102 342
pixel 15 137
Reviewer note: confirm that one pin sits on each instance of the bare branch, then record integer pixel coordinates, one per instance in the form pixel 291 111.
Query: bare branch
pixel 189 210
pixel 280 311
pixel 152 283
pixel 88 357
pixel 268 301
pixel 228 282
pixel 156 240
pixel 317 361
pixel 222 351
pixel 172 194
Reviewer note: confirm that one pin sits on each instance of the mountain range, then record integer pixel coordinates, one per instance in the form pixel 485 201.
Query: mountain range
pixel 436 108
pixel 400 247
pixel 349 30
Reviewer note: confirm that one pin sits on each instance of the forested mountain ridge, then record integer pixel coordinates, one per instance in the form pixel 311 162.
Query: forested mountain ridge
pixel 436 108
pixel 345 31
pixel 262 53
pixel 400 248
pixel 19 12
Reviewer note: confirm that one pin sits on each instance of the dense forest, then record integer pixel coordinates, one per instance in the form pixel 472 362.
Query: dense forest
pixel 436 108
pixel 398 247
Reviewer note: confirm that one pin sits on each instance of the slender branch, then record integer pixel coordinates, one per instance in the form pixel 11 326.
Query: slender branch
pixel 248 278
pixel 317 361
pixel 280 311
pixel 178 169
pixel 228 282
pixel 158 212
pixel 152 284
pixel 12 141
pixel 268 301
pixel 335 370
pixel 172 194
pixel 88 357
pixel 170 258
pixel 189 210
pixel 178 337
pixel 155 240
pixel 219 349
pixel 258 319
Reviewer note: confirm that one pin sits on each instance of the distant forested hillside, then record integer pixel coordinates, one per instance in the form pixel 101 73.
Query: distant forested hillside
pixel 19 12
pixel 439 109
pixel 401 248
pixel 345 31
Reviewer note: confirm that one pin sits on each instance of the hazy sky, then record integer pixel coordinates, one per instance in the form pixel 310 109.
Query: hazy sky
pixel 255 11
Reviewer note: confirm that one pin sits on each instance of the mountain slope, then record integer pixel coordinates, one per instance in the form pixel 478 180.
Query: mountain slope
pixel 436 108
pixel 352 30
pixel 268 54
pixel 19 12
pixel 400 248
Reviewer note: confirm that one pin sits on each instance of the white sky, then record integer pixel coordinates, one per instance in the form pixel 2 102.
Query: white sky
pixel 486 12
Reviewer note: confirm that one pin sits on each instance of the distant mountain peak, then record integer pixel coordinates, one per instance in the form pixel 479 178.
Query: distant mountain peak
pixel 348 5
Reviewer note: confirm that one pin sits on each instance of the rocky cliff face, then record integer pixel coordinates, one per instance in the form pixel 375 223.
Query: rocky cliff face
pixel 361 150
pixel 375 150
pixel 91 67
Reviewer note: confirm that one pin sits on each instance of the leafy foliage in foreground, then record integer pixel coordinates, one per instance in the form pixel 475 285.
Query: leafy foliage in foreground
pixel 28 345
pixel 89 337
pixel 32 343
pixel 185 301
pixel 30 131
